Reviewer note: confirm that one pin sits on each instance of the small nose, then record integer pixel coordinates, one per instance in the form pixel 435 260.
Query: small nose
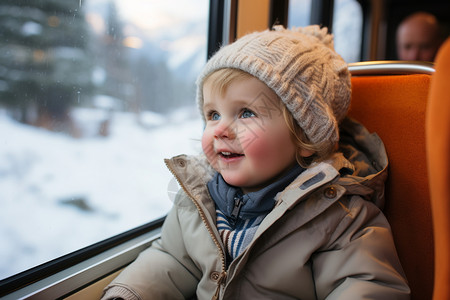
pixel 225 130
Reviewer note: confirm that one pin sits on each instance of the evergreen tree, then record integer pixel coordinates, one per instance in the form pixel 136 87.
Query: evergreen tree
pixel 43 58
pixel 113 58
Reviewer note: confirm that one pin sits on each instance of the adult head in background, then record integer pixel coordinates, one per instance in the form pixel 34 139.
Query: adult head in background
pixel 418 37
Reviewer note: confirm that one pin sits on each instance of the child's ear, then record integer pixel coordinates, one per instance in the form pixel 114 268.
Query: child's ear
pixel 306 153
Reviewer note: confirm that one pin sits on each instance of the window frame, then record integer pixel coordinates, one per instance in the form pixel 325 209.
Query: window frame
pixel 68 273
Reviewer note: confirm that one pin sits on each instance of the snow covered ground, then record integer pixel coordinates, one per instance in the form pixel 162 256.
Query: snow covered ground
pixel 59 194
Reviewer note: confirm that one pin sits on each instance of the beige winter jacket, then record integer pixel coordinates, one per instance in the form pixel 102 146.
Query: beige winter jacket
pixel 325 238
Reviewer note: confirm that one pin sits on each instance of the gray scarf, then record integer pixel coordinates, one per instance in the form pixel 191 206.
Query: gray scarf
pixel 236 205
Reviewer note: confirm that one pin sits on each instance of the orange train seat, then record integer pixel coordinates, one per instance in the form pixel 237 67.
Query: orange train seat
pixel 438 155
pixel 390 99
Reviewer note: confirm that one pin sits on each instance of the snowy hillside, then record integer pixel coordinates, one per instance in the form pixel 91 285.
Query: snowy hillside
pixel 84 190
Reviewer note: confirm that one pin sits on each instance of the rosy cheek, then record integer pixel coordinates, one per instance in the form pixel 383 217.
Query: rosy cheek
pixel 255 145
pixel 208 145
pixel 268 147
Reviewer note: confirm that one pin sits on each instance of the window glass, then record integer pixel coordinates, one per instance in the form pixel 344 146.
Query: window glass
pixel 347 25
pixel 93 95
pixel 299 14
pixel 347 29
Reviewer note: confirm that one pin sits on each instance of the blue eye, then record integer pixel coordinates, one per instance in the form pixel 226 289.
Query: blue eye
pixel 246 113
pixel 213 116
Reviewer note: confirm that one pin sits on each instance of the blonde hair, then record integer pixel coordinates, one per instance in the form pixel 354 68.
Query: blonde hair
pixel 221 79
pixel 301 141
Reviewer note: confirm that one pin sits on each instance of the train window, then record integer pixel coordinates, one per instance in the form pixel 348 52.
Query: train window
pixel 299 13
pixel 347 29
pixel 93 95
pixel 347 25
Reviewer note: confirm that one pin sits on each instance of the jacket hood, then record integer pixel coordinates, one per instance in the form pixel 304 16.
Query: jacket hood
pixel 366 153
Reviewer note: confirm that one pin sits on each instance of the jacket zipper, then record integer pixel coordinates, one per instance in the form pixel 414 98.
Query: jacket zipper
pixel 220 281
pixel 238 203
pixel 223 274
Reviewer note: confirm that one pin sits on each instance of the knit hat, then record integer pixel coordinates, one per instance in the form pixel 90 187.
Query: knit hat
pixel 301 66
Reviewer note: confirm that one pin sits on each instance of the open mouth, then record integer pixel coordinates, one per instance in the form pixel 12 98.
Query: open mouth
pixel 225 154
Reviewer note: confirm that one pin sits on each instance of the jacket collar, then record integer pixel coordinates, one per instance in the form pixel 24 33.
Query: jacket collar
pixel 234 204
pixel 193 177
pixel 308 181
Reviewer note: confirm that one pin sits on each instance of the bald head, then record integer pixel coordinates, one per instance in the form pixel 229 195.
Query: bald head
pixel 418 37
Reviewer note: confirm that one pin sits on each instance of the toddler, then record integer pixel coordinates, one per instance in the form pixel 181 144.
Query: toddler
pixel 283 202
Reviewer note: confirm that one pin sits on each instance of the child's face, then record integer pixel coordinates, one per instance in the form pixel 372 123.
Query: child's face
pixel 246 138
